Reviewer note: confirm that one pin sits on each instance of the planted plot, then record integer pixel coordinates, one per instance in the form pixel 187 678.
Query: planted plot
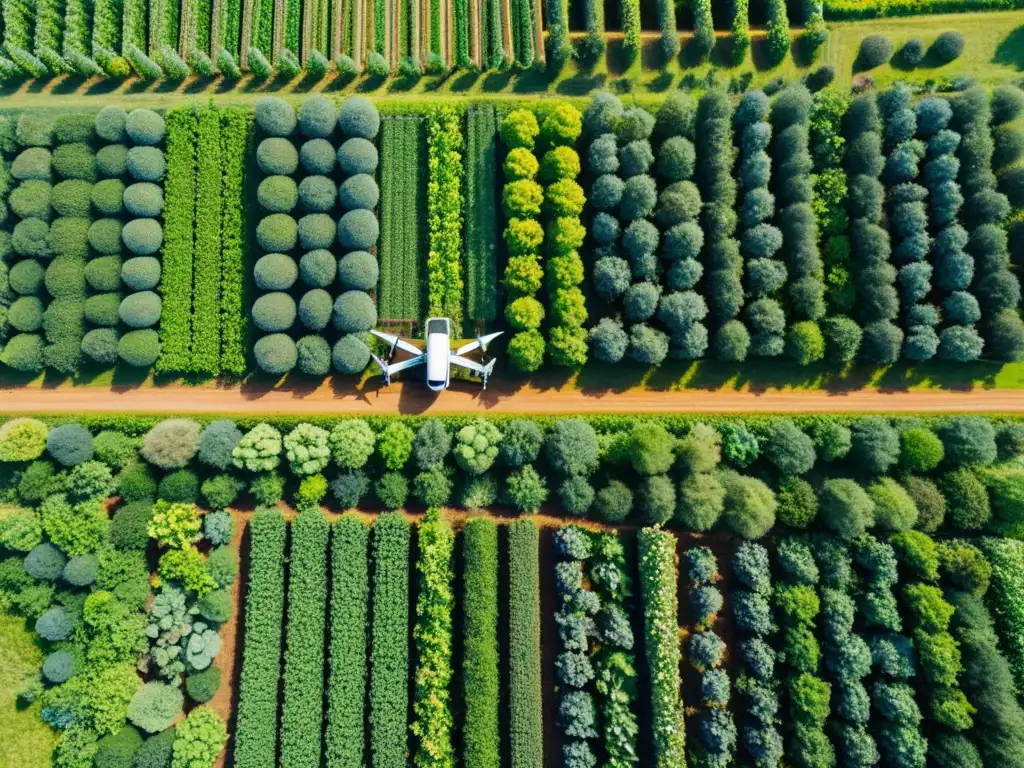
pixel 481 215
pixel 403 217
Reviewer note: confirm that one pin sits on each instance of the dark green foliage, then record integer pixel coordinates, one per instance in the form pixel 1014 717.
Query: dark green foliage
pixel 875 50
pixel 119 749
pixel 525 731
pixel 129 527
pixel 201 686
pixel 969 440
pixel 967 501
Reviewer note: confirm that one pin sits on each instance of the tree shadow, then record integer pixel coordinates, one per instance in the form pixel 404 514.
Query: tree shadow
pixel 68 85
pixel 761 55
pixel 370 83
pixel 1010 52
pixel 660 82
pixel 695 53
pixel 804 52
pixel 497 81
pixel 464 81
pixel 580 84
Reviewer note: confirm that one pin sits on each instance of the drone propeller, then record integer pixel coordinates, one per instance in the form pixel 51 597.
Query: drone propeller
pixel 394 346
pixel 384 367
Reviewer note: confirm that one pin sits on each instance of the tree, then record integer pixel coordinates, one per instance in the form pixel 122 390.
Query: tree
pixel 789 448
pixel 431 444
pixel 845 507
pixel 700 502
pixel 172 443
pixel 476 446
pixel 749 505
pixel 967 502
pixel 920 450
pixel 875 444
pixel 894 508
pixel 969 441
pixel 571 447
pixel 352 442
pixel 651 448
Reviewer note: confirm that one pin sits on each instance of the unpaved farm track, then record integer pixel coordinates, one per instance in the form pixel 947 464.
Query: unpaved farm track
pixel 414 398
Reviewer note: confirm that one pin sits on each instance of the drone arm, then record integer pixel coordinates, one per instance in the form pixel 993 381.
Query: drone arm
pixel 480 342
pixel 395 341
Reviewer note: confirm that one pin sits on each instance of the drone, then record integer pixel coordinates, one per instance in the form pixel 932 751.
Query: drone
pixel 438 355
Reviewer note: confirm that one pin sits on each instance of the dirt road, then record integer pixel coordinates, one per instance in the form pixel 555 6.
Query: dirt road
pixel 414 398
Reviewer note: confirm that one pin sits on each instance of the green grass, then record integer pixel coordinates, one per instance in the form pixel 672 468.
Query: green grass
pixel 25 740
pixel 994 53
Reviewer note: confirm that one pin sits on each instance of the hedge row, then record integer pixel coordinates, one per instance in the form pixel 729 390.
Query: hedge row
pixel 346 689
pixel 389 650
pixel 480 678
pixel 445 172
pixel 236 138
pixel 207 279
pixel 481 249
pixel 658 578
pixel 435 600
pixel 176 352
pixel 302 713
pixel 526 731
pixel 256 729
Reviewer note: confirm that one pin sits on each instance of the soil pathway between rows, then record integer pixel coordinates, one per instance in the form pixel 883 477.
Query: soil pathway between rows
pixel 465 397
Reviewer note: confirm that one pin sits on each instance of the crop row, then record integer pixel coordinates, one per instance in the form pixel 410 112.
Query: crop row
pixel 526 732
pixel 480 678
pixel 302 713
pixel 236 138
pixel 481 248
pixel 401 218
pixel 256 729
pixel 178 252
pixel 445 170
pixel 389 654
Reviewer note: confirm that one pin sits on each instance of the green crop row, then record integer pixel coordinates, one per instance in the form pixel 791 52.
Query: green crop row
pixel 76 25
pixel 133 24
pixel 207 279
pixel 658 581
pixel 236 135
pixel 526 732
pixel 1006 599
pixel 302 715
pixel 346 691
pixel 480 738
pixel 230 24
pixel 179 213
pixel 432 715
pixel 481 215
pixel 292 12
pixel 445 170
pixel 389 655
pixel 256 729
pixel 401 219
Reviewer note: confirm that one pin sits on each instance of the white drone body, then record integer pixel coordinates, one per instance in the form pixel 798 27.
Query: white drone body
pixel 438 356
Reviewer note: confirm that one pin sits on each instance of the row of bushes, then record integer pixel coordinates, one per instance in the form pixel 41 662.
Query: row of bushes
pixel 256 729
pixel 389 650
pixel 351 311
pixel 445 174
pixel 525 729
pixel 658 579
pixel 480 669
pixel 346 688
pixel 302 713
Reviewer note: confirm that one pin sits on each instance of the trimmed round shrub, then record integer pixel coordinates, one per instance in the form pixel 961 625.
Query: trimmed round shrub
pixel 350 355
pixel 24 353
pixel 316 231
pixel 69 236
pixel 143 237
pixel 217 442
pixel 874 51
pixel 56 624
pixel 31 200
pixel 80 571
pixel 314 355
pixel 146 164
pixel 179 487
pixel 144 126
pixel 111 123
pixel 33 164
pixel 46 563
pixel 358 271
pixel 58 667
pixel 201 686
pixel 107 197
pixel 74 127
pixel 358 118
pixel 317 268
pixel 920 450
pixel 75 161
pixel 105 236
pixel 315 309
pixel 26 314
pixel 22 439
pixel 140 310
pixel 274 312
pixel 26 277
pixel 144 199
pixel 100 345
pixel 357 156
pixel 317 157
pixel 278 194
pixel 316 117
pixel 277 156
pixel 275 272
pixel 103 309
pixel 1007 103
pixel 112 161
pixel 275 116
pixel 104 274
pixel 275 353
pixel 141 273
pixel 65 278
pixel 72 198
pixel 118 750
pixel 31 238
pixel 69 444
pixel 948 46
pixel 358 230
pixel 354 312
pixel 156 751
pixel 359 191
pixel 34 130
pixel 317 194
pixel 155 706
pixel 277 232
pixel 139 349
